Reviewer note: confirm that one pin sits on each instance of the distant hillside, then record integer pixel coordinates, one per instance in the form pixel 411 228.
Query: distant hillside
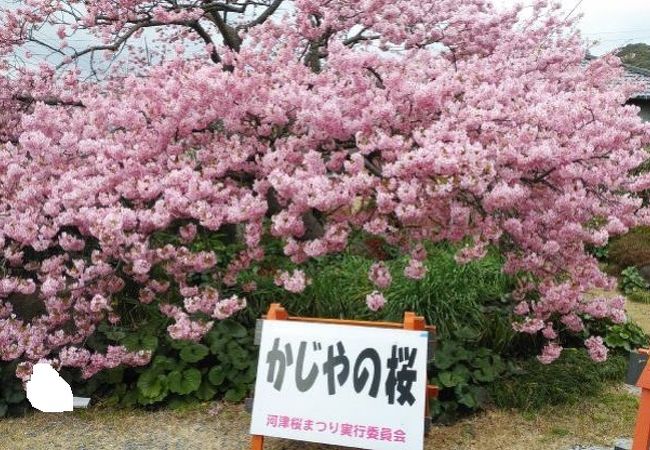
pixel 635 55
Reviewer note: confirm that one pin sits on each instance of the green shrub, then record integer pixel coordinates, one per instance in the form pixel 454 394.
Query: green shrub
pixel 450 296
pixel 640 296
pixel 632 281
pixel 625 337
pixel 462 371
pixel 630 250
pixel 601 253
pixel 12 395
pixel 223 365
pixel 567 380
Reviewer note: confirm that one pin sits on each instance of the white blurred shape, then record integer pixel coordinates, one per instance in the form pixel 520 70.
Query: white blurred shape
pixel 80 402
pixel 47 391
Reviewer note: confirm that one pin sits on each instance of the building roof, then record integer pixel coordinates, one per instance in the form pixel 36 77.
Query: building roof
pixel 641 77
pixel 635 75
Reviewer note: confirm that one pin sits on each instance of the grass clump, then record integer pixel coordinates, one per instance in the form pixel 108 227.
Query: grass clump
pixel 568 380
pixel 629 250
pixel 450 296
pixel 639 296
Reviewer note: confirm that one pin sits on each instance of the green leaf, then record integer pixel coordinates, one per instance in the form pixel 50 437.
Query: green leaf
pixel 467 334
pixel 3 408
pixel 485 375
pixel 179 344
pixel 232 328
pixel 465 396
pixel 468 400
pixel 131 342
pixel 184 382
pixel 241 364
pixel 115 335
pixel 444 360
pixel 150 343
pixel 236 394
pixel 212 336
pixel 235 351
pixel 163 363
pixel 194 353
pixel 151 384
pixel 205 391
pixel 218 346
pixel 234 375
pixel 130 399
pixel 217 375
pixel 251 374
pixel 151 400
pixel 14 396
pixel 450 379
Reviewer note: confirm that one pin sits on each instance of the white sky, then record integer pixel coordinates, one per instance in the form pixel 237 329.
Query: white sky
pixel 614 23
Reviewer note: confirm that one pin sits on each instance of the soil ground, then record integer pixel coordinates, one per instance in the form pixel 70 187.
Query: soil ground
pixel 596 421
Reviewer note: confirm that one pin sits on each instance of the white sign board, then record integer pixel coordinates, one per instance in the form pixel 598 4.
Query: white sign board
pixel 353 386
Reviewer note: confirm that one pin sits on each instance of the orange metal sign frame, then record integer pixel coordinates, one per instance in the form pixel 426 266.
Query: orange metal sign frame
pixel 411 322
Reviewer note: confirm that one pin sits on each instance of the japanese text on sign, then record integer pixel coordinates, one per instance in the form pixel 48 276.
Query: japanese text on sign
pixel 346 385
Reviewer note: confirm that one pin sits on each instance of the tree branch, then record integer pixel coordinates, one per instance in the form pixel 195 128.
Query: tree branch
pixel 51 101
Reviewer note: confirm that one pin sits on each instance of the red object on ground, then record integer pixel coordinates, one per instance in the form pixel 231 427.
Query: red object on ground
pixel 642 430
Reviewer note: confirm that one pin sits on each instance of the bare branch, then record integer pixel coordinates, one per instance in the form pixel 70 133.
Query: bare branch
pixel 259 20
pixel 51 101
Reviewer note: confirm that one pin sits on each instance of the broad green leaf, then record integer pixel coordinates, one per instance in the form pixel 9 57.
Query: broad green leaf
pixel 150 343
pixel 217 375
pixel 194 353
pixel 131 342
pixel 151 384
pixel 205 391
pixel 184 382
pixel 450 379
pixel 232 328
pixel 236 394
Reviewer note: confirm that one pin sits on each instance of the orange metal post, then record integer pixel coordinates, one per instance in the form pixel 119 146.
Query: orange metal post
pixel 277 312
pixel 257 442
pixel 642 430
pixel 413 322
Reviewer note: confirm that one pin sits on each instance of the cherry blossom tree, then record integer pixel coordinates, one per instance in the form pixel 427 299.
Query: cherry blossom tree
pixel 304 121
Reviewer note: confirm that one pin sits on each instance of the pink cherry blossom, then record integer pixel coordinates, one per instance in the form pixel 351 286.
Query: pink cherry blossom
pixel 295 282
pixel 550 353
pixel 596 348
pixel 379 274
pixel 226 308
pixel 375 301
pixel 548 332
pixel 415 269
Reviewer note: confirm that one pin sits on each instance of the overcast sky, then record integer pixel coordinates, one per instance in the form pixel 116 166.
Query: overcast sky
pixel 614 23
